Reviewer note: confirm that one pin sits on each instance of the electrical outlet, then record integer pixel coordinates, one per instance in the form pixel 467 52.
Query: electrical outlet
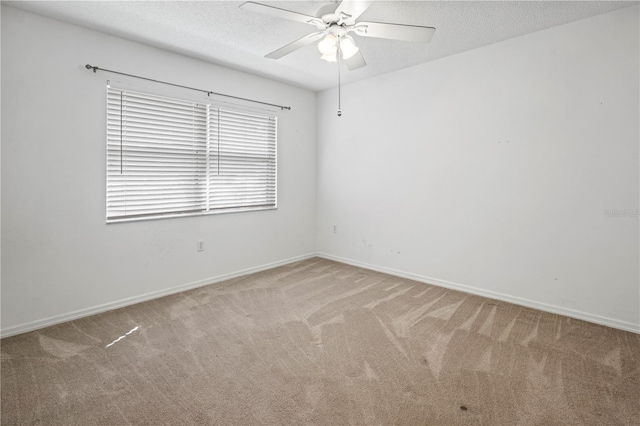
pixel 200 245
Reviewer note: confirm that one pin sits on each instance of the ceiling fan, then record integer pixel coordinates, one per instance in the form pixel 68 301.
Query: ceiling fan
pixel 335 22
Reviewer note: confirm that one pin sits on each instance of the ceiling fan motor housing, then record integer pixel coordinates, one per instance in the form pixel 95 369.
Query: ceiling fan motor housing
pixel 337 30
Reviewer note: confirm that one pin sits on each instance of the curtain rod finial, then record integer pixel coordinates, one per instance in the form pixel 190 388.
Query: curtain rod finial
pixel 89 67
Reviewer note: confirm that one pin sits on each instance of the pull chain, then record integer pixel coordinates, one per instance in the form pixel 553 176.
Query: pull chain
pixel 339 66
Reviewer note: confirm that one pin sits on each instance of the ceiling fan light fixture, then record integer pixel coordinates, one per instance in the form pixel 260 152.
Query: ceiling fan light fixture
pixel 328 45
pixel 348 47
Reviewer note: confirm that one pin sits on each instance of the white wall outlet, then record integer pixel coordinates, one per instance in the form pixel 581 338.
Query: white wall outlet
pixel 200 245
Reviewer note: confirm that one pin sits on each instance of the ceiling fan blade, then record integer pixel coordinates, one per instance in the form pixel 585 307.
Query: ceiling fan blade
pixel 414 33
pixel 353 8
pixel 301 42
pixel 355 62
pixel 280 13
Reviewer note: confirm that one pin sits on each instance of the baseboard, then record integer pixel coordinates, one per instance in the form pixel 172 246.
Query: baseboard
pixel 46 322
pixel 609 322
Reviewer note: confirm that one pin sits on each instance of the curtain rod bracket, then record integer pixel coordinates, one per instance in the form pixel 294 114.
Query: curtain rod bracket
pixel 94 68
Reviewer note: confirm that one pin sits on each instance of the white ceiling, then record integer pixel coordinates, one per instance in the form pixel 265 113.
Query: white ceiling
pixel 221 33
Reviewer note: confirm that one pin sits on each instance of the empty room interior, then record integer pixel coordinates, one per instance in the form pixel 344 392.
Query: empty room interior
pixel 320 213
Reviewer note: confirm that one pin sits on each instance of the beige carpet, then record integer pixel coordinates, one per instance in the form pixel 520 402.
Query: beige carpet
pixel 319 342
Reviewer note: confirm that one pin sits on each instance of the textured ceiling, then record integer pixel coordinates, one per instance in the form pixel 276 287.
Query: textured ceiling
pixel 221 33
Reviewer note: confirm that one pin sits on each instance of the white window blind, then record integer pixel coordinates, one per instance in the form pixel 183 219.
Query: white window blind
pixel 171 157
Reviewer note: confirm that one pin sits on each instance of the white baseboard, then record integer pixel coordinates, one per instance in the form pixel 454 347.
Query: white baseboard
pixel 609 322
pixel 46 322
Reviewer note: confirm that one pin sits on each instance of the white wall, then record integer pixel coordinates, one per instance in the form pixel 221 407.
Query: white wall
pixel 490 171
pixel 59 258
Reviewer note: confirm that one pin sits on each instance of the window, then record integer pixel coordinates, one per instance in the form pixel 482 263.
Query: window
pixel 170 157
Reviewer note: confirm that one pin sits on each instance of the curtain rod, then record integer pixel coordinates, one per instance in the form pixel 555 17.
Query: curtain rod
pixel 208 92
